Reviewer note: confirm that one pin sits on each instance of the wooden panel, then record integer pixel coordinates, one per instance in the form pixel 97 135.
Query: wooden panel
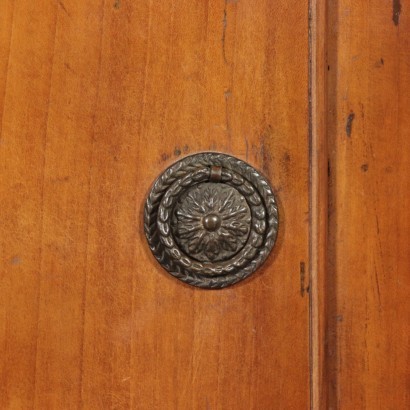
pixel 98 97
pixel 369 263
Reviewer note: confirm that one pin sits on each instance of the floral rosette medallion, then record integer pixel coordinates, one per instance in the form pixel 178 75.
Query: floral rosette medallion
pixel 211 220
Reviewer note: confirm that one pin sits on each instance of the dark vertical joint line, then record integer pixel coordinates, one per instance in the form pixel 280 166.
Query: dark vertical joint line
pixel 7 72
pixel 224 26
pixel 349 124
pixel 302 272
pixel 310 193
pixel 396 12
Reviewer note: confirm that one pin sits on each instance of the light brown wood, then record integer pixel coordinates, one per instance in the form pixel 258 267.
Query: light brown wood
pixel 97 98
pixel 368 322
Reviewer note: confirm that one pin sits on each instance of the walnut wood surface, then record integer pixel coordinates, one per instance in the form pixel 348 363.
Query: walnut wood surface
pixel 97 98
pixel 367 286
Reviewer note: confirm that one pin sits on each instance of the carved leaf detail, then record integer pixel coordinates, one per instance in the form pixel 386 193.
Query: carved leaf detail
pixel 230 225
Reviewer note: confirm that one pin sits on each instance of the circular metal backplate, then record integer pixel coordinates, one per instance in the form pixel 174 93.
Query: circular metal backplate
pixel 211 220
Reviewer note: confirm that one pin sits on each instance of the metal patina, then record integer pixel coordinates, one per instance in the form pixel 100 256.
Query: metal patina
pixel 211 220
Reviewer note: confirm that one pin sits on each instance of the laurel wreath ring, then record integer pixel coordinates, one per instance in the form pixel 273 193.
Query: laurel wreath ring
pixel 193 170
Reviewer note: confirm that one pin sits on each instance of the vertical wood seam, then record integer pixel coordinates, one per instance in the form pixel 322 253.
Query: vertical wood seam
pixel 318 199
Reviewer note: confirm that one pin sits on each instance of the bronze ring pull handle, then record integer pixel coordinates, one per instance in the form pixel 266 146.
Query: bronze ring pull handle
pixel 211 220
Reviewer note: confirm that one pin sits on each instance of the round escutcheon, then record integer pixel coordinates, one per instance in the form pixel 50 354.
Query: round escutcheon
pixel 211 220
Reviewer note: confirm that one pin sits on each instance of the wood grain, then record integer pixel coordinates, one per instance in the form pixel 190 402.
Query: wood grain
pixel 97 98
pixel 369 263
pixel 319 191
